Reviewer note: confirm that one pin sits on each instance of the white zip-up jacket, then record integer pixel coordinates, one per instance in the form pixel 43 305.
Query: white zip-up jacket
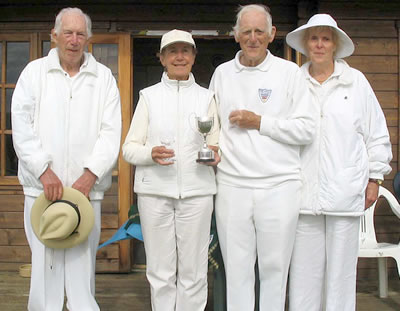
pixel 352 144
pixel 170 106
pixel 66 123
pixel 276 90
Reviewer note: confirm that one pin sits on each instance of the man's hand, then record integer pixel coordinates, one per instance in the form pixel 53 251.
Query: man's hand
pixel 85 183
pixel 371 194
pixel 245 119
pixel 162 155
pixel 52 185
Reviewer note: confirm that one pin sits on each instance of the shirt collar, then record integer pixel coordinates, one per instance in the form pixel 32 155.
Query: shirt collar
pixel 89 64
pixel 174 83
pixel 264 66
pixel 341 72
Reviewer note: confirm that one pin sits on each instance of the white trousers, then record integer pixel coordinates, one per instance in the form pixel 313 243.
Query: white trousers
pixel 176 236
pixel 257 223
pixel 56 270
pixel 324 264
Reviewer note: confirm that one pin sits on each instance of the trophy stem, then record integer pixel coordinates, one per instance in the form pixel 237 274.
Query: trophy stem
pixel 204 126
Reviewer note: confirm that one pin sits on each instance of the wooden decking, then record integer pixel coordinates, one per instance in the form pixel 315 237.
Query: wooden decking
pixel 130 292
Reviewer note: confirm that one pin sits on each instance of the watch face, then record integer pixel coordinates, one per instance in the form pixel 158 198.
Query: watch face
pixel 377 181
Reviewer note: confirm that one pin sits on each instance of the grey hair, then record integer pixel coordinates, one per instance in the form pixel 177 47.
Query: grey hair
pixel 58 23
pixel 253 7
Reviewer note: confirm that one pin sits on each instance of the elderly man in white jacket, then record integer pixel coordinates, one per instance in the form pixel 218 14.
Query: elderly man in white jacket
pixel 266 115
pixel 66 121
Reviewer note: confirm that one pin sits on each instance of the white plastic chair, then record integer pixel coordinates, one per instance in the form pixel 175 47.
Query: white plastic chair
pixel 369 247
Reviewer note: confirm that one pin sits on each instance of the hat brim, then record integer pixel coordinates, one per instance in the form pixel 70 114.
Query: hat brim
pixel 345 45
pixel 82 231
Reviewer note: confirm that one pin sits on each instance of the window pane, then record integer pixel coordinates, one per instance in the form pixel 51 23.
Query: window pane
pixel 45 48
pixel 107 54
pixel 9 93
pixel 11 158
pixel 17 59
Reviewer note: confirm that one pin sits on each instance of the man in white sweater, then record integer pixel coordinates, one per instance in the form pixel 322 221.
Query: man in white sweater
pixel 266 116
pixel 66 122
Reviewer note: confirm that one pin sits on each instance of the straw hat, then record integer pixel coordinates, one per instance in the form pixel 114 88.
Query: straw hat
pixel 174 36
pixel 63 223
pixel 345 46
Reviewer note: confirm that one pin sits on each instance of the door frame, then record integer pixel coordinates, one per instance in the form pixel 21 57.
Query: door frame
pixel 124 172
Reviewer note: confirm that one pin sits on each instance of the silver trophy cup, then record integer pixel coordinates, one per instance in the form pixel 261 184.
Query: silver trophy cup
pixel 204 126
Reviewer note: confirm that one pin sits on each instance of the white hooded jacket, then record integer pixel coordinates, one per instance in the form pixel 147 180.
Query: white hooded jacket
pixel 66 123
pixel 352 144
pixel 170 106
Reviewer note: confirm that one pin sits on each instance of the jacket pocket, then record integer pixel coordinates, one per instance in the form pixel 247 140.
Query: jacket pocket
pixel 348 190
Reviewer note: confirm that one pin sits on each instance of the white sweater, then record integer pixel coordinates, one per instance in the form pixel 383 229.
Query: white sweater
pixel 66 123
pixel 171 106
pixel 352 144
pixel 276 90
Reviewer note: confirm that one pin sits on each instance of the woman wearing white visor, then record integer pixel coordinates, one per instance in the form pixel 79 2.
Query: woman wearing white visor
pixel 342 170
pixel 175 192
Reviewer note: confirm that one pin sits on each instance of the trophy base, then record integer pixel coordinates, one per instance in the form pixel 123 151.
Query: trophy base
pixel 205 155
pixel 204 160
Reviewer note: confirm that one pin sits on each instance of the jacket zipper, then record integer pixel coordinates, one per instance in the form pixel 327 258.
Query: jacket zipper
pixel 178 134
pixel 67 125
pixel 322 104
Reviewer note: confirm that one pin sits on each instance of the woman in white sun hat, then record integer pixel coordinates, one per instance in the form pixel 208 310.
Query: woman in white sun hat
pixel 342 170
pixel 175 192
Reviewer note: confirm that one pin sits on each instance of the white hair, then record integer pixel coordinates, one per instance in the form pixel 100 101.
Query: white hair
pixel 58 23
pixel 253 7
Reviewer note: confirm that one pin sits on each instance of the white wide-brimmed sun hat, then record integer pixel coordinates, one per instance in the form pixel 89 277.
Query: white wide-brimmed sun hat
pixel 174 36
pixel 64 223
pixel 345 46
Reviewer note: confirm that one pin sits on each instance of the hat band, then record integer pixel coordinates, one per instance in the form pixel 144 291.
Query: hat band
pixel 75 207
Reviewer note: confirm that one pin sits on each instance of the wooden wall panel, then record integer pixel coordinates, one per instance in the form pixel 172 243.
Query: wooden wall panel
pixel 375 46
pixel 10 220
pixel 13 237
pixel 136 17
pixel 16 253
pixel 107 265
pixel 388 99
pixel 12 203
pixel 368 28
pixel 392 117
pixel 374 64
pixel 364 9
pixel 383 81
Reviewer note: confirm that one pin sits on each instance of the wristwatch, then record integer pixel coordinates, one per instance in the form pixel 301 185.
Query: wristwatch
pixel 377 181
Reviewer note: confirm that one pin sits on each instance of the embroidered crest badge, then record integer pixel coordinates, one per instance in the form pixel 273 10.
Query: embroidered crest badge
pixel 264 94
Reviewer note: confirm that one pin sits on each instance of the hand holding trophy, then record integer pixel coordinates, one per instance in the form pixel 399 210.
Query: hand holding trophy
pixel 204 126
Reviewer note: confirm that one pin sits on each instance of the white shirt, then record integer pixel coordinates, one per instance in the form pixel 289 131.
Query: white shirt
pixel 276 90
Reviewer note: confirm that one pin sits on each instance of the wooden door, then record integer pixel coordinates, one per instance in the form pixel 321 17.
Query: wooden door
pixel 114 51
